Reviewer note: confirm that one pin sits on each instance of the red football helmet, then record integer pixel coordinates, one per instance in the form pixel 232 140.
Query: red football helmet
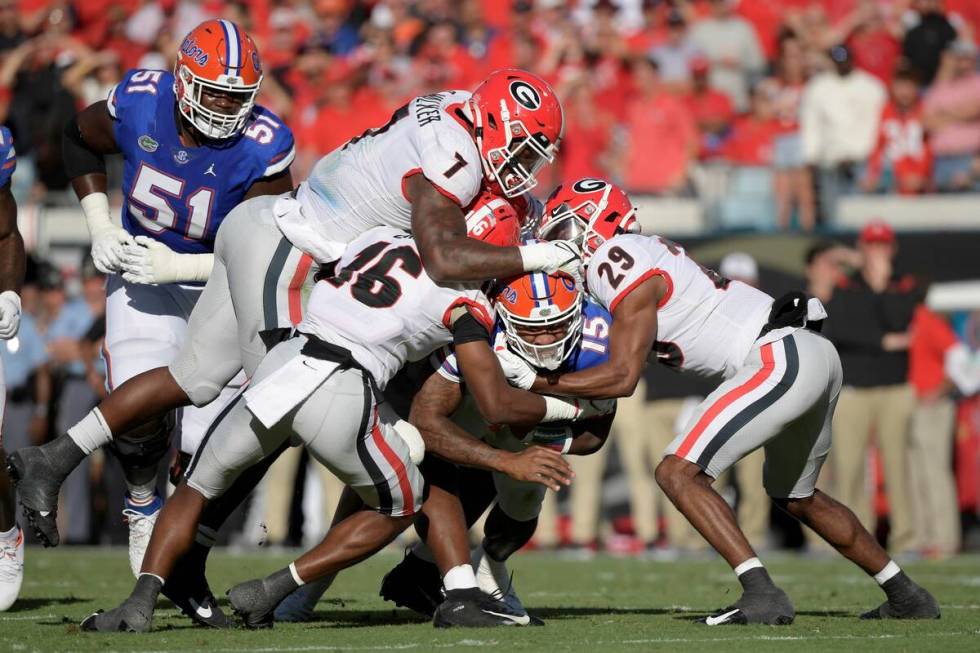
pixel 589 212
pixel 493 220
pixel 217 56
pixel 537 303
pixel 519 125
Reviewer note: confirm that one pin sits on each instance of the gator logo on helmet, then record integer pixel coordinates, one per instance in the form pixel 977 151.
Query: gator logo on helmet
pixel 526 95
pixel 588 185
pixel 190 48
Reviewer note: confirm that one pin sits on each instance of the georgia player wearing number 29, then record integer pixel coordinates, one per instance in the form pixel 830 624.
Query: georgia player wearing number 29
pixel 780 388
pixel 194 145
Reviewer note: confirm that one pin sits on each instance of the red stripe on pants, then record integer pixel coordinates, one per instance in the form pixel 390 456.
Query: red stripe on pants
pixel 396 464
pixel 727 399
pixel 296 287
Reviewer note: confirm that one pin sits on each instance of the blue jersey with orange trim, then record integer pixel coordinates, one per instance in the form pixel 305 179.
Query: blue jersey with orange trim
pixel 180 195
pixel 591 350
pixel 8 156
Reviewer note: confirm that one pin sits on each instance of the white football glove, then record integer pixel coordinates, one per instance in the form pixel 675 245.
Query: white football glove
pixel 519 374
pixel 9 315
pixel 108 240
pixel 151 262
pixel 554 256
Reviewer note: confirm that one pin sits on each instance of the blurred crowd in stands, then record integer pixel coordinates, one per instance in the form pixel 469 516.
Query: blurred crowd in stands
pixel 765 111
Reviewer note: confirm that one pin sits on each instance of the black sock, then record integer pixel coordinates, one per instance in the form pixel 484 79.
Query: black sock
pixel 63 455
pixel 280 584
pixel 898 587
pixel 756 580
pixel 146 591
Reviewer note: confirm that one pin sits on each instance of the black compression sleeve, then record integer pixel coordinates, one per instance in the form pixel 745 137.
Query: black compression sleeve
pixel 468 329
pixel 79 157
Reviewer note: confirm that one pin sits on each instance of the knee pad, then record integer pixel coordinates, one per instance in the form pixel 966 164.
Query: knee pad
pixel 503 535
pixel 145 445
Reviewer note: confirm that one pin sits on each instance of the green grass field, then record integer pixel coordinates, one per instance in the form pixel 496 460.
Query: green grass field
pixel 606 604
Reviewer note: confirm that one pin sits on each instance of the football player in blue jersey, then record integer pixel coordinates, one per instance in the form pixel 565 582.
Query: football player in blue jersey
pixel 547 321
pixel 11 277
pixel 195 145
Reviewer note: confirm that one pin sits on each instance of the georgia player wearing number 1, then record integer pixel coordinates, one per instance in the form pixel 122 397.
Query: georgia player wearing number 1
pixel 780 388
pixel 194 145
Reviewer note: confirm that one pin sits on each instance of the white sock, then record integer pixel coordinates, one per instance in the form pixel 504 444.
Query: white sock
pixel 292 570
pixel 751 563
pixel 11 535
pixel 142 494
pixel 890 571
pixel 91 432
pixel 460 577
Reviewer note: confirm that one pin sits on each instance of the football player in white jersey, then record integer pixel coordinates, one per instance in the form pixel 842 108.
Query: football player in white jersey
pixel 378 311
pixel 780 388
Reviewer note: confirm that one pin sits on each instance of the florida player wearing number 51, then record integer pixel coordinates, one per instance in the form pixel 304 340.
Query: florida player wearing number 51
pixel 194 145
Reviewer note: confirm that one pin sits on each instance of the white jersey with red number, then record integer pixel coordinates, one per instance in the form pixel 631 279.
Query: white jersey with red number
pixel 705 323
pixel 361 185
pixel 384 308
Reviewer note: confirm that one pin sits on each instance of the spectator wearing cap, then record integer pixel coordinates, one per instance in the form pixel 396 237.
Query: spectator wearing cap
pixel 925 42
pixel 901 159
pixel 870 314
pixel 838 117
pixel 939 365
pixel 792 181
pixel 656 121
pixel 731 45
pixel 712 110
pixel 675 54
pixel 951 113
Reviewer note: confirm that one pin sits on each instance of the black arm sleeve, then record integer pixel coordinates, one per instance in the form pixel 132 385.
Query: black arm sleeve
pixel 468 329
pixel 79 157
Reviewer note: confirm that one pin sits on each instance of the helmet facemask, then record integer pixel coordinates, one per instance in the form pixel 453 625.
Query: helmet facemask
pixel 543 318
pixel 578 224
pixel 514 166
pixel 189 89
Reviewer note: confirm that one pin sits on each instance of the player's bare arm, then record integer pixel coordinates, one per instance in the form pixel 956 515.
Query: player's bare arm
pixel 11 243
pixel 431 413
pixel 631 337
pixel 88 138
pixel 448 254
pixel 590 435
pixel 274 185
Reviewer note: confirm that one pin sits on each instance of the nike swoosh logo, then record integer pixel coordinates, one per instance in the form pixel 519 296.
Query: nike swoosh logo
pixel 720 619
pixel 202 612
pixel 517 620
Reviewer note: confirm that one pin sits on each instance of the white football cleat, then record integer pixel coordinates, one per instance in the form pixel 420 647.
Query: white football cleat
pixel 11 570
pixel 141 520
pixel 493 578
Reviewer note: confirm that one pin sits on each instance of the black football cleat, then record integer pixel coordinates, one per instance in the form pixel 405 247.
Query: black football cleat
pixel 191 594
pixel 771 607
pixel 414 584
pixel 128 618
pixel 471 608
pixel 253 604
pixel 915 602
pixel 38 484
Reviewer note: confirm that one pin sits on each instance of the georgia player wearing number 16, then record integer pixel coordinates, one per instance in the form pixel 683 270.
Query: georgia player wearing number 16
pixel 194 145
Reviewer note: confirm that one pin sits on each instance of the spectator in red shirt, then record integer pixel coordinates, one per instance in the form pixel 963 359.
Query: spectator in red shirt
pixel 662 138
pixel 588 132
pixel 712 110
pixel 936 358
pixel 442 62
pixel 750 142
pixel 901 158
pixel 651 33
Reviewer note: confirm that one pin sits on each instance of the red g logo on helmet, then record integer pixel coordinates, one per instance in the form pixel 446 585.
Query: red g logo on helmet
pixel 518 127
pixel 588 211
pixel 217 57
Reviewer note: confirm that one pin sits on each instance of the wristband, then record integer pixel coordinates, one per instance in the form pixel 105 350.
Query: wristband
pixel 556 409
pixel 95 206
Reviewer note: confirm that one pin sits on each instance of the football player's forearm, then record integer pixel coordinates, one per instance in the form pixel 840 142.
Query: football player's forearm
pixel 589 436
pixel 12 258
pixel 463 259
pixel 446 440
pixel 604 381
